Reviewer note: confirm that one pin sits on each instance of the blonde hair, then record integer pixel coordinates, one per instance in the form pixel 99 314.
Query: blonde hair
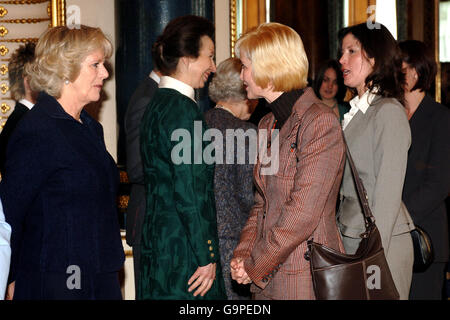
pixel 277 55
pixel 226 84
pixel 59 54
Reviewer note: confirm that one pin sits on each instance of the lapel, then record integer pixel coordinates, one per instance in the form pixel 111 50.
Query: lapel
pixel 290 128
pixel 358 122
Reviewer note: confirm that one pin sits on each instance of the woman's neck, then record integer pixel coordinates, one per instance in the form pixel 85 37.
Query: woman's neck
pixel 412 101
pixel 330 102
pixel 71 107
pixel 233 108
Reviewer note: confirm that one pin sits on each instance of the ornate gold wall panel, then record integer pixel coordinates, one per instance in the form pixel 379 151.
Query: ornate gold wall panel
pixel 22 21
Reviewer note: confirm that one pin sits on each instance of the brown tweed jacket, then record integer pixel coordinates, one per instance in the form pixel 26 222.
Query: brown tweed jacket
pixel 296 203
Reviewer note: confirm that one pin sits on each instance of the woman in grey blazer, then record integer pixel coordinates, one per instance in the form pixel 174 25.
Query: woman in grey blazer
pixel 377 132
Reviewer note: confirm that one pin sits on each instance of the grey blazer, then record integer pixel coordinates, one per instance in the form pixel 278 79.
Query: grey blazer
pixel 378 141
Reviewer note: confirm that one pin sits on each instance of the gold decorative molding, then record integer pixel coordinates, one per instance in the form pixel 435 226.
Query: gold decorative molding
pixel 23 1
pixel 3 12
pixel 4 88
pixel 4 69
pixel 233 25
pixel 23 40
pixel 28 20
pixel 4 107
pixel 58 13
pixel 3 50
pixel 438 80
pixel 3 31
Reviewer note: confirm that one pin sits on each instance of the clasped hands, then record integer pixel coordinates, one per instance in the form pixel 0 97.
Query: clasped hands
pixel 238 272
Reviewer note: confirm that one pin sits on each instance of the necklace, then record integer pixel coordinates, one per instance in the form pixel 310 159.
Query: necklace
pixel 225 108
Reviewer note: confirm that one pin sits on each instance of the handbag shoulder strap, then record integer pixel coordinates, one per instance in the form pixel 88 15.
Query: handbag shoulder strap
pixel 362 194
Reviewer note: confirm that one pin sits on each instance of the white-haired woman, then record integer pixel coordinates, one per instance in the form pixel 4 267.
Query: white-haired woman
pixel 59 190
pixel 233 180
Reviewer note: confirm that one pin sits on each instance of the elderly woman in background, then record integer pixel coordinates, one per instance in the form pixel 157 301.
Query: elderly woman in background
pixel 59 190
pixel 180 247
pixel 296 202
pixel 427 180
pixel 330 88
pixel 233 180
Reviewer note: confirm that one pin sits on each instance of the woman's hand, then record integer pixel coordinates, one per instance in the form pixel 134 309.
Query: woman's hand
pixel 238 272
pixel 202 279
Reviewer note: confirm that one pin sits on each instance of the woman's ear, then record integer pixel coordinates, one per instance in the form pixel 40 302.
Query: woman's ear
pixel 183 64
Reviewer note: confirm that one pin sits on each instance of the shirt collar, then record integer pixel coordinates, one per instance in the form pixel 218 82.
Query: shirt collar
pixel 364 102
pixel 181 87
pixel 155 77
pixel 26 103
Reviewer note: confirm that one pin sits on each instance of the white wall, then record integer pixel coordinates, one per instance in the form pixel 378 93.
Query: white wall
pixel 101 13
pixel 222 17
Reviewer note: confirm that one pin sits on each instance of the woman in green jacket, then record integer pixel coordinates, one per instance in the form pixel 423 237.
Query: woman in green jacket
pixel 180 257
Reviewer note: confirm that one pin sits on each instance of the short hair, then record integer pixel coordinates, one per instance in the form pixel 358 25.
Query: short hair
pixel 277 55
pixel 59 54
pixel 342 89
pixel 378 43
pixel 180 38
pixel 226 84
pixel 16 69
pixel 416 54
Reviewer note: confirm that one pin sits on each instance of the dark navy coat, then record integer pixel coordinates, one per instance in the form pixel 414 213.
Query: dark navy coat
pixel 59 196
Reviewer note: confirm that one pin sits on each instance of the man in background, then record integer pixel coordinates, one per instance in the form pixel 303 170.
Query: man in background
pixel 20 91
pixel 136 205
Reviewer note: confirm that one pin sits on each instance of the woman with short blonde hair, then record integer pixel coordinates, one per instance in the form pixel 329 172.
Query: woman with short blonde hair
pixel 277 55
pixel 60 185
pixel 297 202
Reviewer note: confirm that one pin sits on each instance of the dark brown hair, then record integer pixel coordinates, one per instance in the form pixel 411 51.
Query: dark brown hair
pixel 23 55
pixel 416 54
pixel 180 38
pixel 379 44
pixel 342 89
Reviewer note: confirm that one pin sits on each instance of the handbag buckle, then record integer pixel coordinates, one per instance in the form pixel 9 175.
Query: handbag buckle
pixel 364 235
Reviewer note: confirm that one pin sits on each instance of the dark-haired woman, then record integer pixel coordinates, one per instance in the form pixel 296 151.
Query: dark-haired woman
pixel 180 249
pixel 330 88
pixel 377 132
pixel 427 180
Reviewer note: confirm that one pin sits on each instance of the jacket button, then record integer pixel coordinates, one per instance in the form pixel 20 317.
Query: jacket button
pixel 209 241
pixel 212 255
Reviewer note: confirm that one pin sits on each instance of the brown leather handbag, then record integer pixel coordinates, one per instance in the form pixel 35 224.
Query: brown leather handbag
pixel 362 276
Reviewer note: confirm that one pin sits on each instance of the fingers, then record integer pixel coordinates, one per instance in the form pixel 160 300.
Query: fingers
pixel 202 279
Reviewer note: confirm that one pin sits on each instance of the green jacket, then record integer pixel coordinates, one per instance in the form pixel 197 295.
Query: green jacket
pixel 180 230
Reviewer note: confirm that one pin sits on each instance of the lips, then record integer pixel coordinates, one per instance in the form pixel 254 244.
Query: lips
pixel 345 72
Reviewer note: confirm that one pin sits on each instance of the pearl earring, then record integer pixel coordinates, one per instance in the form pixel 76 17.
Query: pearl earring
pixel 67 82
